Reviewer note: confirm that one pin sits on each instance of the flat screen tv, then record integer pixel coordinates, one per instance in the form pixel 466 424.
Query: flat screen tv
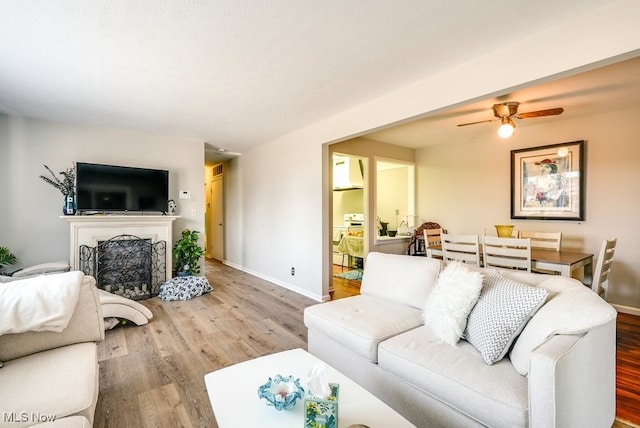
pixel 106 188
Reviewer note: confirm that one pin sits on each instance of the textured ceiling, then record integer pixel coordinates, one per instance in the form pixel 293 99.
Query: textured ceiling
pixel 237 73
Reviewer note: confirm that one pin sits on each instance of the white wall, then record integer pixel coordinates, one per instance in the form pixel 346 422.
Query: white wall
pixel 30 224
pixel 466 188
pixel 279 227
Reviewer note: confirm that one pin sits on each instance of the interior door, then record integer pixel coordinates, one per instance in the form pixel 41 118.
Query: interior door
pixel 216 224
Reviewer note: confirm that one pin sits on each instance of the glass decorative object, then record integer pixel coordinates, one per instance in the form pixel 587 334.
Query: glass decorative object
pixel 281 392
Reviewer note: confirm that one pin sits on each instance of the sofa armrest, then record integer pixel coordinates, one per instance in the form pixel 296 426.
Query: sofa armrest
pixel 572 380
pixel 86 325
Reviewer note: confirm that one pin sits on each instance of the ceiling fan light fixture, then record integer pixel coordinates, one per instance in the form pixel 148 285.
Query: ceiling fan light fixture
pixel 507 128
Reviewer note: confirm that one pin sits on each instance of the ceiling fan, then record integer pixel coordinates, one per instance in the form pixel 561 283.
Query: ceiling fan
pixel 506 112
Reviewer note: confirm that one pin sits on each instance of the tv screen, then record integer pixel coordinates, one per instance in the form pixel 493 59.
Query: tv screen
pixel 121 188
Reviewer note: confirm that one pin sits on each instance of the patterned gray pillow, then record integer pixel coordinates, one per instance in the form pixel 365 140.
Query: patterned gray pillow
pixel 504 308
pixel 184 288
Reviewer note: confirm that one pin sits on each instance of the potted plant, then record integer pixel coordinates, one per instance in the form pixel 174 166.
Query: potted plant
pixel 6 258
pixel 67 187
pixel 187 252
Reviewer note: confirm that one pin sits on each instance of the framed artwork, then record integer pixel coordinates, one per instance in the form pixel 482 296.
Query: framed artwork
pixel 547 182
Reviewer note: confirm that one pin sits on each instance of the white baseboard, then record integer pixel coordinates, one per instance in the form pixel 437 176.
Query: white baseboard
pixel 630 310
pixel 306 293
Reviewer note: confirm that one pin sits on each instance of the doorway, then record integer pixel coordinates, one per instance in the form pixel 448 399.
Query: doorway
pixel 349 224
pixel 214 224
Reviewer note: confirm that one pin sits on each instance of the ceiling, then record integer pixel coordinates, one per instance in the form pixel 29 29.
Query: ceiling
pixel 608 88
pixel 238 73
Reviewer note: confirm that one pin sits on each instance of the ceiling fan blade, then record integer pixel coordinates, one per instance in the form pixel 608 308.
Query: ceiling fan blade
pixel 475 123
pixel 540 113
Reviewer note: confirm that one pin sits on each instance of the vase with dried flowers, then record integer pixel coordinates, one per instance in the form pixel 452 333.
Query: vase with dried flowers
pixel 67 187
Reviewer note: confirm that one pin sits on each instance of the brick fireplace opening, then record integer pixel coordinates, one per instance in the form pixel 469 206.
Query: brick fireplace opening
pixel 126 265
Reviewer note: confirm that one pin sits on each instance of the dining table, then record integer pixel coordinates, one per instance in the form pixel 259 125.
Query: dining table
pixel 566 263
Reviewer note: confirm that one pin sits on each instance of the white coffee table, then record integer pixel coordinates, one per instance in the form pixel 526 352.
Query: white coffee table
pixel 233 392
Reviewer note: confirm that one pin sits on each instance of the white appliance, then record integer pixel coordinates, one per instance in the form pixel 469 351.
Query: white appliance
pixel 354 219
pixel 347 173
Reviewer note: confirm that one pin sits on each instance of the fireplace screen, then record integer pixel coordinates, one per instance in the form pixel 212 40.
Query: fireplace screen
pixel 126 265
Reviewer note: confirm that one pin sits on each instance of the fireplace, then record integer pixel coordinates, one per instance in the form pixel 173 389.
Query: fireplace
pixel 126 265
pixel 91 231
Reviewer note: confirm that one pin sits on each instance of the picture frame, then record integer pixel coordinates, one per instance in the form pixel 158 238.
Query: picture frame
pixel 547 182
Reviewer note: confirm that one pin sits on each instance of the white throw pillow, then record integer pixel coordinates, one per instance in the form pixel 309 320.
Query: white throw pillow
pixel 503 309
pixel 449 303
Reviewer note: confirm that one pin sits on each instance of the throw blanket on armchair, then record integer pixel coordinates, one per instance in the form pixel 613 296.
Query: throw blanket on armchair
pixel 41 303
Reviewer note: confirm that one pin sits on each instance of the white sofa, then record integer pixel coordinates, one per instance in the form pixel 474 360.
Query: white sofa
pixel 559 371
pixel 50 326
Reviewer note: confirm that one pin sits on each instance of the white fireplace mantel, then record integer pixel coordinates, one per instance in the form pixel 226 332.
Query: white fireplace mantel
pixel 90 229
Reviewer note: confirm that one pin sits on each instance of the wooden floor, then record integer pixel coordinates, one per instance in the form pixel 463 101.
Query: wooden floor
pixel 153 375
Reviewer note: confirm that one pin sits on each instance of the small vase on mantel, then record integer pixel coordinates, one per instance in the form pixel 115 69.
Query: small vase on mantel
pixel 69 206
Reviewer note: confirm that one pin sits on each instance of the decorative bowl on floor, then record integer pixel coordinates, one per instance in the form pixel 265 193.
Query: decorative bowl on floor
pixel 281 392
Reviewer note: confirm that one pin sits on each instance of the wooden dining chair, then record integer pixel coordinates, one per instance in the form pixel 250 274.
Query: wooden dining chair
pixel 432 236
pixel 543 240
pixel 600 281
pixel 507 253
pixel 464 248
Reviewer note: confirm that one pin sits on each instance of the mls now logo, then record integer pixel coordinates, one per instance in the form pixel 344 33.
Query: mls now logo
pixel 27 417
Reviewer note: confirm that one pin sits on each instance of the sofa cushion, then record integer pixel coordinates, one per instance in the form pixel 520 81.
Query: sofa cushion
pixel 398 278
pixel 449 303
pixel 43 268
pixel 503 309
pixel 60 382
pixel 494 395
pixel 86 325
pixel 571 308
pixel 41 303
pixel 361 322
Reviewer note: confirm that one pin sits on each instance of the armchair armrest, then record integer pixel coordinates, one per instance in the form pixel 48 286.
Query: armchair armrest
pixel 572 380
pixel 86 325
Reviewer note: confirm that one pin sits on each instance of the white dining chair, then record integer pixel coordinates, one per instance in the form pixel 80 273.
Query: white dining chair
pixel 600 281
pixel 507 253
pixel 543 240
pixel 464 248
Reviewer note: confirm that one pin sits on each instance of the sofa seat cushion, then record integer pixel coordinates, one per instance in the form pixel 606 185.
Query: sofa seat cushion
pixel 493 395
pixel 60 382
pixel 399 278
pixel 361 322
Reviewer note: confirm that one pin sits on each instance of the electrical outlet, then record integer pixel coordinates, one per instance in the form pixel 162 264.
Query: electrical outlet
pixel 185 194
pixel 397 211
pixel 293 271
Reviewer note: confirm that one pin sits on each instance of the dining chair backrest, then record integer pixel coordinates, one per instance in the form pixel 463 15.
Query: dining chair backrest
pixel 600 282
pixel 464 248
pixel 543 240
pixel 432 236
pixel 507 253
